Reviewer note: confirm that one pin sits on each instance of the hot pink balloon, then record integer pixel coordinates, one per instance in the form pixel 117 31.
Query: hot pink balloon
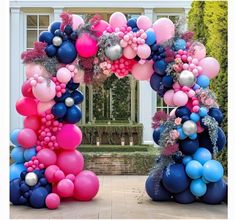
pixel 197 50
pixel 144 22
pixel 129 53
pixel 75 160
pixel 142 71
pixel 47 157
pixel 100 27
pixel 77 21
pixel 63 75
pixel 50 172
pixel 26 89
pixel 26 106
pixel 43 106
pixel 58 175
pixel 33 122
pixel 27 138
pixel 143 51
pixel 180 98
pixel 200 129
pixel 117 20
pixel 168 97
pixel 69 137
pixel 52 201
pixel 65 188
pixel 31 69
pixel 164 29
pixel 86 186
pixel 189 104
pixel 210 67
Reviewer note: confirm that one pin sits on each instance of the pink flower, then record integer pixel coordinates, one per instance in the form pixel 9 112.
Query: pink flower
pixel 170 149
pixel 209 101
pixel 174 134
pixel 178 121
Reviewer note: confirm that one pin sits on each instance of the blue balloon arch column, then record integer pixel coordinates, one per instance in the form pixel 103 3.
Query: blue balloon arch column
pixel 48 167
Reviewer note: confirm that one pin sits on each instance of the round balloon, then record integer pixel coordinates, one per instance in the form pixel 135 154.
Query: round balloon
pixel 27 138
pixel 213 171
pixel 66 53
pixel 26 106
pixel 117 20
pixel 210 67
pixel 198 187
pixel 185 197
pixel 194 169
pixel 202 155
pixel 142 71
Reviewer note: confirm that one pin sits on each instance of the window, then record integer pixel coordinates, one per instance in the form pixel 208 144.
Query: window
pixel 35 24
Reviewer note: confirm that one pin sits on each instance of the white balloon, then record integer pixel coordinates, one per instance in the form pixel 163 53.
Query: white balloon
pixel 31 179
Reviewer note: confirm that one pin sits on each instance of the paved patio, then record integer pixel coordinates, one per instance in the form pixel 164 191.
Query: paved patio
pixel 122 197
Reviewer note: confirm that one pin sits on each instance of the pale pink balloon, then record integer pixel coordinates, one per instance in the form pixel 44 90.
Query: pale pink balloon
pixel 129 53
pixel 77 21
pixel 180 98
pixel 210 67
pixel 117 20
pixel 168 97
pixel 172 113
pixel 47 157
pixel 144 22
pixel 44 106
pixel 142 71
pixel 143 51
pixel 63 75
pixel 197 50
pixel 31 69
pixel 164 29
pixel 65 188
pixel 100 27
pixel 52 201
pixel 50 172
pixel 79 76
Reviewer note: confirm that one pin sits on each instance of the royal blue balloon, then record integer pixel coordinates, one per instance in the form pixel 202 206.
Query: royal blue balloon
pixel 66 53
pixel 176 180
pixel 77 97
pixel 16 169
pixel 29 153
pixel 151 37
pixel 216 114
pixel 203 111
pixel 54 26
pixel 159 194
pixel 13 136
pixel 194 169
pixel 160 67
pixel 72 86
pixel 167 81
pixel 198 187
pixel 46 36
pixel 17 154
pixel 155 82
pixel 63 97
pixel 203 81
pixel 188 146
pixel 186 159
pixel 202 155
pixel 213 171
pixel 51 50
pixel 156 134
pixel 185 197
pixel 182 111
pixel 132 22
pixel 15 191
pixel 216 193
pixel 73 114
pixel 180 44
pixel 38 197
pixel 195 117
pixel 59 110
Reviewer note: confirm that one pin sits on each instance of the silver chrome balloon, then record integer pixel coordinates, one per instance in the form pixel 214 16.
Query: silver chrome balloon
pixel 57 41
pixel 189 127
pixel 69 102
pixel 31 179
pixel 186 78
pixel 113 52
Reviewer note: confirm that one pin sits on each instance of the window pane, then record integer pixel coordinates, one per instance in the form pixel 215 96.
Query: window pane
pixel 31 38
pixel 174 18
pixel 32 21
pixel 43 21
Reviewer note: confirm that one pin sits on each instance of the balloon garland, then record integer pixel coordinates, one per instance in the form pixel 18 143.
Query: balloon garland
pixel 47 165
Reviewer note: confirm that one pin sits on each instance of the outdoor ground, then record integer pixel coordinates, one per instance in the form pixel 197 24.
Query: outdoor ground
pixel 123 197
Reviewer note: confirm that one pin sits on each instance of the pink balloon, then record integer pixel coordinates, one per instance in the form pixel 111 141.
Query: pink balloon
pixel 52 201
pixel 45 91
pixel 210 67
pixel 70 162
pixel 172 113
pixel 117 20
pixel 77 21
pixel 189 104
pixel 33 122
pixel 197 50
pixel 31 69
pixel 79 76
pixel 27 138
pixel 86 45
pixel 43 106
pixel 47 157
pixel 143 51
pixel 129 53
pixel 100 27
pixel 50 172
pixel 26 89
pixel 180 98
pixel 58 175
pixel 26 106
pixel 144 22
pixel 69 137
pixel 164 29
pixel 168 97
pixel 86 185
pixel 142 71
pixel 65 188
pixel 63 75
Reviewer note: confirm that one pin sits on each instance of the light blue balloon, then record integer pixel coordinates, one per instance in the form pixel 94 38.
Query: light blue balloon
pixel 203 81
pixel 13 136
pixel 203 111
pixel 17 154
pixel 180 44
pixel 29 153
pixel 204 180
pixel 151 37
pixel 193 136
pixel 202 155
pixel 182 135
pixel 194 169
pixel 198 187
pixel 195 117
pixel 213 171
pixel 187 159
pixel 16 169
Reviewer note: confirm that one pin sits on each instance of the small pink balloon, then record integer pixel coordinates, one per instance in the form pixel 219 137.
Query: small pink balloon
pixel 47 157
pixel 26 89
pixel 63 75
pixel 144 22
pixel 27 138
pixel 52 201
pixel 50 172
pixel 180 98
pixel 44 106
pixel 100 27
pixel 58 175
pixel 129 53
pixel 168 97
pixel 143 51
pixel 210 67
pixel 142 71
pixel 65 188
pixel 117 20
pixel 31 69
pixel 77 21
pixel 70 177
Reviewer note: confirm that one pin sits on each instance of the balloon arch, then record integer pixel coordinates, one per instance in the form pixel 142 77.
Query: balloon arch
pixel 47 165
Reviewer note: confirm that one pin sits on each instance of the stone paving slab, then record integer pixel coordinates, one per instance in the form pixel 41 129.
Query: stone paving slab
pixel 122 197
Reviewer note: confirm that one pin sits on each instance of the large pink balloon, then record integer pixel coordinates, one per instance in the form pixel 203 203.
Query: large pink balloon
pixel 144 22
pixel 69 137
pixel 50 173
pixel 31 69
pixel 52 201
pixel 100 27
pixel 164 29
pixel 33 122
pixel 180 98
pixel 117 20
pixel 143 51
pixel 210 67
pixel 65 188
pixel 129 53
pixel 168 97
pixel 197 50
pixel 86 186
pixel 27 138
pixel 26 106
pixel 142 71
pixel 77 21
pixel 47 157
pixel 70 162
pixel 63 75
pixel 43 106
pixel 26 89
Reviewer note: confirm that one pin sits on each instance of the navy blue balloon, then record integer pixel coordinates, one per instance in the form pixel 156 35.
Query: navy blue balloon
pixel 46 36
pixel 185 197
pixel 73 115
pixel 51 50
pixel 66 53
pixel 59 110
pixel 160 67
pixel 59 33
pixel 155 82
pixel 157 133
pixel 38 197
pixel 216 114
pixel 72 86
pixel 154 47
pixel 185 118
pixel 73 35
pixel 135 29
pixel 54 26
pixel 160 194
pixel 182 111
pixel 24 187
pixel 176 180
pixel 77 97
pixel 68 29
pixel 15 191
pixel 215 193
pixel 167 81
pixel 63 97
pixel 188 146
pixel 132 22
